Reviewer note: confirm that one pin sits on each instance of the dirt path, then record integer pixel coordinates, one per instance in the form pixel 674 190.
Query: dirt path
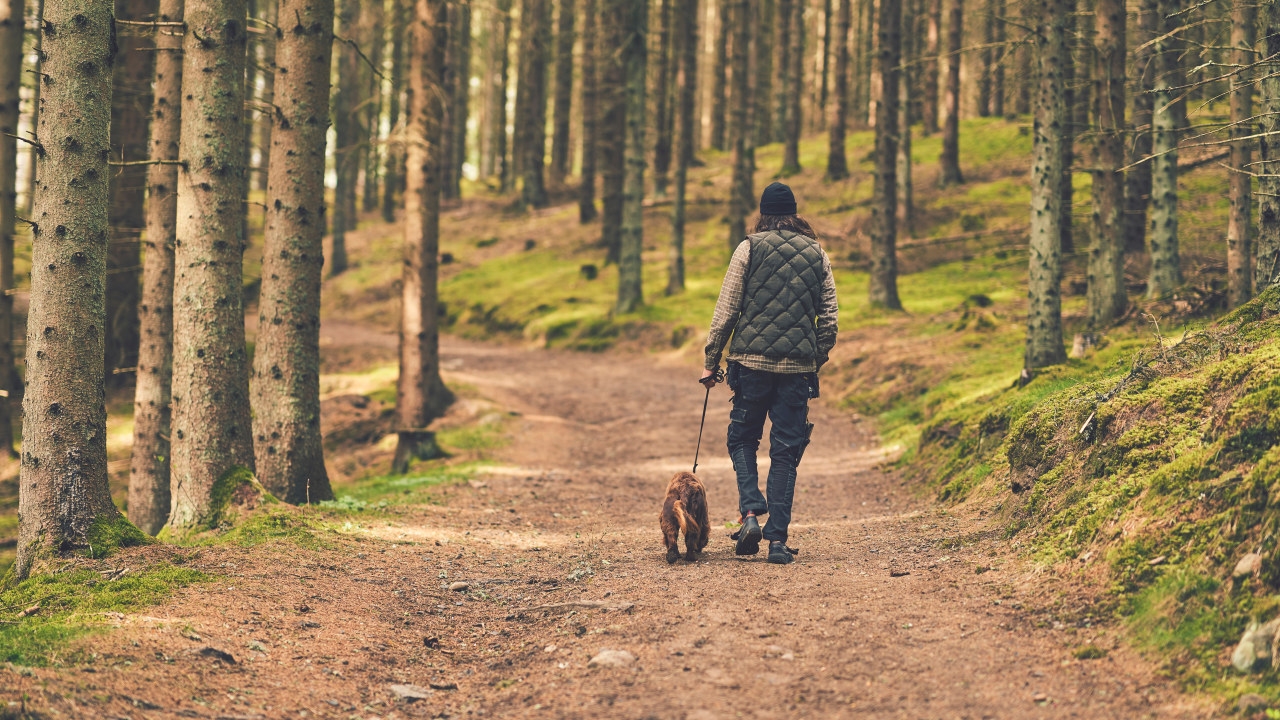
pixel 570 516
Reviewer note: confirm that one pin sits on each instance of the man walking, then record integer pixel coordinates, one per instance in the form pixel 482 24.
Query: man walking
pixel 779 304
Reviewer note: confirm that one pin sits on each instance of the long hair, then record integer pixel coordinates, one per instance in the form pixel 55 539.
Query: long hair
pixel 794 223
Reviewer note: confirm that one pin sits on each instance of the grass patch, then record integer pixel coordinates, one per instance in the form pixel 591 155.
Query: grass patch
pixel 74 604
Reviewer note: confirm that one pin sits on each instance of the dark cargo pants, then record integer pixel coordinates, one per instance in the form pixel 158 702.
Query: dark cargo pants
pixel 784 399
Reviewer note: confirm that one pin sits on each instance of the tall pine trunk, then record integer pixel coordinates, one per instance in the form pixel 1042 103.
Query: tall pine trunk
pixel 1267 269
pixel 837 160
pixel 1044 272
pixel 884 201
pixel 149 495
pixel 634 55
pixel 763 14
pixel 374 26
pixel 501 151
pixel 794 84
pixel 270 13
pixel 590 69
pixel 286 361
pixel 130 118
pixel 211 422
pixel 393 158
pixel 534 46
pixel 986 58
pixel 346 157
pixel 1023 74
pixel 951 174
pixel 1239 232
pixel 563 102
pixel 819 112
pixel 11 25
pixel 1166 272
pixel 905 189
pixel 63 499
pixel 33 152
pixel 662 101
pixel 420 393
pixel 612 127
pixel 743 136
pixel 719 74
pixel 1106 289
pixel 1137 181
pixel 686 52
pixel 783 30
pixel 998 54
pixel 1069 127
pixel 929 79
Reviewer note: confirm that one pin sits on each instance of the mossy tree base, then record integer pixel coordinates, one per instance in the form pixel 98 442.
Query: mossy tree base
pixel 415 445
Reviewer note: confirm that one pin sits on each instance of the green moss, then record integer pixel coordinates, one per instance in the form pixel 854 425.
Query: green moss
pixel 73 604
pixel 110 533
pixel 236 481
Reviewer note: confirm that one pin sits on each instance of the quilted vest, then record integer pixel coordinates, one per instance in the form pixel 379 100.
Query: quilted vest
pixel 780 301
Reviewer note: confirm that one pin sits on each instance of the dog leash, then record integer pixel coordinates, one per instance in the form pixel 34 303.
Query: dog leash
pixel 718 375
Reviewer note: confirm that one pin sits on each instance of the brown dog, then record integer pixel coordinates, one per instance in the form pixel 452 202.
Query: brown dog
pixel 685 511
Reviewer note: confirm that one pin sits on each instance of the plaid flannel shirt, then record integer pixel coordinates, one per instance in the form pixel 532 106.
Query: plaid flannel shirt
pixel 729 308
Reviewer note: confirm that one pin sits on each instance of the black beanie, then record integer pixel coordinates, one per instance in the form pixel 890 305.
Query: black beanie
pixel 777 200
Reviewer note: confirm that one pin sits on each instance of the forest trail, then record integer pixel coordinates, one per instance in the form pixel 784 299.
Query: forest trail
pixel 568 514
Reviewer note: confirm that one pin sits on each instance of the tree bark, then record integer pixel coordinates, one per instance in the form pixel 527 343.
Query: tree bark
pixel 662 106
pixel 998 54
pixel 906 199
pixel 929 82
pixel 211 426
pixel 613 119
pixel 11 31
pixel 837 160
pixel 986 58
pixel 506 176
pixel 270 13
pixel 1106 290
pixel 634 55
pixel 884 202
pixel 1239 232
pixel 346 157
pixel 149 495
pixel 286 361
pixel 761 59
pixel 1044 272
pixel 1067 187
pixel 64 503
pixel 130 120
pixel 743 136
pixel 534 46
pixel 421 395
pixel 819 114
pixel 719 75
pixel 686 52
pixel 590 112
pixel 783 30
pixel 1267 269
pixel 794 84
pixel 394 157
pixel 373 24
pixel 951 174
pixel 1023 60
pixel 33 156
pixel 456 86
pixel 1137 181
pixel 563 102
pixel 1166 272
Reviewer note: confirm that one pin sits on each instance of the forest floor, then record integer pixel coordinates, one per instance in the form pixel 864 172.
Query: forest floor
pixel 896 607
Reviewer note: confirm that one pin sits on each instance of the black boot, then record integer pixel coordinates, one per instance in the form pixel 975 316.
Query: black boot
pixel 780 554
pixel 749 536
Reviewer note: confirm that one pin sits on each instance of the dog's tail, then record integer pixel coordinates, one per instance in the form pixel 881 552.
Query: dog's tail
pixel 688 526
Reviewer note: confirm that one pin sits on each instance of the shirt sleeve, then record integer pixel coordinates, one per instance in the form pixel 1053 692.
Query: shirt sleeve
pixel 828 313
pixel 728 306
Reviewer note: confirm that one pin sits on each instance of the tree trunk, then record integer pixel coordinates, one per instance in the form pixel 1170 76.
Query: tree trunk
pixel 794 84
pixel 394 156
pixel 420 393
pixel 563 102
pixel 211 422
pixel 1137 181
pixel 867 89
pixel 373 23
pixel 149 496
pixel 662 101
pixel 837 162
pixel 346 160
pixel 820 112
pixel 884 202
pixel 783 30
pixel 929 91
pixel 1166 273
pixel 686 53
pixel 1106 288
pixel 719 75
pixel 534 46
pixel 590 112
pixel 906 200
pixel 1267 270
pixel 951 174
pixel 743 137
pixel 761 59
pixel 33 156
pixel 270 13
pixel 130 120
pixel 634 55
pixel 286 361
pixel 251 65
pixel 986 58
pixel 1044 272
pixel 457 87
pixel 506 175
pixel 613 118
pixel 1067 187
pixel 1239 240
pixel 998 54
pixel 1023 59
pixel 64 503
pixel 11 26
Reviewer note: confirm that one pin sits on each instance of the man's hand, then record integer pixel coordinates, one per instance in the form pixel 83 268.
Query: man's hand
pixel 709 378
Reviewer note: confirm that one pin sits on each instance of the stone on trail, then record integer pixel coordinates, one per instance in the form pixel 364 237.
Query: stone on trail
pixel 459 585
pixel 612 658
pixel 1250 564
pixel 1255 647
pixel 409 693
